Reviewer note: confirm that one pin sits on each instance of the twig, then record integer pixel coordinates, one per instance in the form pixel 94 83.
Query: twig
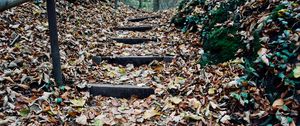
pixel 12 43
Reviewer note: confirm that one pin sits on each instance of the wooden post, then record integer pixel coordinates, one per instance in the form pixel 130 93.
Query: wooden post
pixel 54 42
pixel 155 5
pixel 6 4
pixel 116 4
pixel 140 4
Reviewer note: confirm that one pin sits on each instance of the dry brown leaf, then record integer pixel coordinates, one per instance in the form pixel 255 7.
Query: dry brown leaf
pixel 278 103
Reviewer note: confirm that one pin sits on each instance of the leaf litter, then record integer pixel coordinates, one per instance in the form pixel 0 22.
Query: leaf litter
pixel 185 94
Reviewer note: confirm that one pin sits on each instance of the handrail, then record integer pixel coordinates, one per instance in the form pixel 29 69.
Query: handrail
pixel 7 4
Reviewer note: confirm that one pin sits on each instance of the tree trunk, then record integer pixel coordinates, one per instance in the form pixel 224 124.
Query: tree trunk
pixel 155 5
pixel 6 4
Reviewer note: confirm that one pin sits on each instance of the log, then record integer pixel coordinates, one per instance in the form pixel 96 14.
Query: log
pixel 120 91
pixel 7 4
pixel 135 60
pixel 143 18
pixel 133 40
pixel 134 28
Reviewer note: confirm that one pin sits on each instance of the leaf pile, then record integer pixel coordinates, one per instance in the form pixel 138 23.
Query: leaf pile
pixel 185 94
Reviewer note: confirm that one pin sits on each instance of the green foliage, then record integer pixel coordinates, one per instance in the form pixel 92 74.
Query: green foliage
pixel 277 69
pixel 222 13
pixel 222 45
pixel 219 43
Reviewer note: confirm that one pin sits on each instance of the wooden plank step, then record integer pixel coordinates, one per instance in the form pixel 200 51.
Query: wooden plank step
pixel 134 28
pixel 143 18
pixel 120 91
pixel 135 60
pixel 134 40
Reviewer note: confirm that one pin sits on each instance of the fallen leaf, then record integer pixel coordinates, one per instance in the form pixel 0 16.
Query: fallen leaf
pixel 98 122
pixel 296 72
pixel 150 113
pixel 211 91
pixel 225 119
pixel 262 51
pixel 78 102
pixel 278 103
pixel 192 116
pixel 24 112
pixel 82 120
pixel 175 100
pixel 265 60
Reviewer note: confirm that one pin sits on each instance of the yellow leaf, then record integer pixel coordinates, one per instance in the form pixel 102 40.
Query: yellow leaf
pixel 296 72
pixel 211 91
pixel 78 102
pixel 122 71
pixel 111 74
pixel 175 100
pixel 150 113
pixel 282 11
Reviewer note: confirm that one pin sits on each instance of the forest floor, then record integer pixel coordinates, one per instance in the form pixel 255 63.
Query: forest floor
pixel 184 92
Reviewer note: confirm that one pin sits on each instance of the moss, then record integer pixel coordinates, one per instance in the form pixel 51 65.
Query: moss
pixel 221 46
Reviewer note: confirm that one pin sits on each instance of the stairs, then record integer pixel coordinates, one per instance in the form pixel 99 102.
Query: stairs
pixel 120 91
pixel 141 28
pixel 134 40
pixel 135 60
pixel 128 90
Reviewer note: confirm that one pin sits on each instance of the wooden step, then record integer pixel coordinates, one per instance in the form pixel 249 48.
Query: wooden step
pixel 143 18
pixel 141 28
pixel 135 60
pixel 134 40
pixel 119 91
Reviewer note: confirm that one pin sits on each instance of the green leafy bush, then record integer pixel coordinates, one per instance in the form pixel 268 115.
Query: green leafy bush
pixel 266 32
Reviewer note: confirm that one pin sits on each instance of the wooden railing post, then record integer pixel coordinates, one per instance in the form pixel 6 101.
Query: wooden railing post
pixel 155 5
pixel 57 73
pixel 116 4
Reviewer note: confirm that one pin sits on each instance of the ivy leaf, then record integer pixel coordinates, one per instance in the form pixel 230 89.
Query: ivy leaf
pixel 281 75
